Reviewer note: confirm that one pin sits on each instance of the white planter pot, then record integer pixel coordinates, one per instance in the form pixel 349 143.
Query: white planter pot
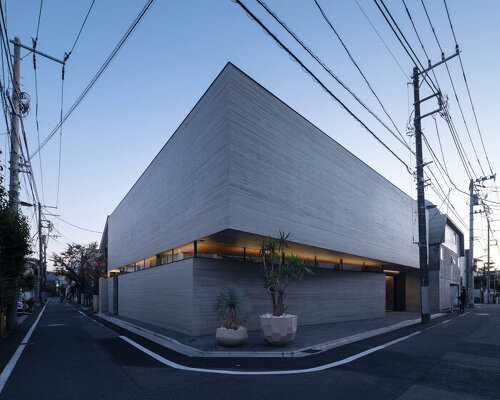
pixel 231 337
pixel 278 331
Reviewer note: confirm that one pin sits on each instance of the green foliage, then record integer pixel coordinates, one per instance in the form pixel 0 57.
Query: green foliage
pixel 231 308
pixel 277 272
pixel 14 246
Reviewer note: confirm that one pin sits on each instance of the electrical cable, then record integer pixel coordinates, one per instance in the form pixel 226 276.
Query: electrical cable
pixel 316 79
pixel 467 86
pixel 75 226
pixel 80 32
pixel 98 73
pixel 416 61
pixel 325 17
pixel 453 86
pixel 329 71
pixel 382 40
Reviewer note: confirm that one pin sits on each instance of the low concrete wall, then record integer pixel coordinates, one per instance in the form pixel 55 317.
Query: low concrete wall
pixel 326 296
pixel 113 295
pixel 103 295
pixel 160 296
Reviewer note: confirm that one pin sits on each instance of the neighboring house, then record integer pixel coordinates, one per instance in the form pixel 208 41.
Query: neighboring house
pixel 446 260
pixel 50 283
pixel 242 166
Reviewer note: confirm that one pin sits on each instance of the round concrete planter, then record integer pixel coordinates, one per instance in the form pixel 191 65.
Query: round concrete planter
pixel 278 331
pixel 231 337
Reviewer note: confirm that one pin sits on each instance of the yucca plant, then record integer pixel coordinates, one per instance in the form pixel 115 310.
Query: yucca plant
pixel 231 307
pixel 277 272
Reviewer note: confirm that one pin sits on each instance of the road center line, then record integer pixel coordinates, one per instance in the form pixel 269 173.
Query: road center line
pixel 277 372
pixel 4 376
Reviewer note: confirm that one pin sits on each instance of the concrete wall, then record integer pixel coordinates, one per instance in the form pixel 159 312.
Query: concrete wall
pixel 326 296
pixel 443 273
pixel 287 174
pixel 183 193
pixel 160 296
pixel 243 159
pixel 103 295
pixel 181 296
pixel 110 294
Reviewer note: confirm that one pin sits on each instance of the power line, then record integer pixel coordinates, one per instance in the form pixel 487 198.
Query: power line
pixel 98 74
pixel 76 226
pixel 316 79
pixel 467 86
pixel 38 25
pixel 453 86
pixel 416 61
pixel 328 70
pixel 382 40
pixel 325 17
pixel 80 32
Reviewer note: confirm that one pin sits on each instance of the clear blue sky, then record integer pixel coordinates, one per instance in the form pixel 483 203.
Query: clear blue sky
pixel 180 47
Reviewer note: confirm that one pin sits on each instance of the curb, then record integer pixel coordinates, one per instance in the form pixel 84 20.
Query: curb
pixel 189 351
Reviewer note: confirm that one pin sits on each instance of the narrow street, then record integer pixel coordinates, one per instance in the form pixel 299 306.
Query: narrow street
pixel 71 355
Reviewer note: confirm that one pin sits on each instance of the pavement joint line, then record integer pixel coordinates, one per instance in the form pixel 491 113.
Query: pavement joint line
pixel 190 351
pixel 4 376
pixel 273 372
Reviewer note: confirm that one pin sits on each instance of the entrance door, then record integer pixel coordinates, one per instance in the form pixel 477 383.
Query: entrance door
pixel 389 293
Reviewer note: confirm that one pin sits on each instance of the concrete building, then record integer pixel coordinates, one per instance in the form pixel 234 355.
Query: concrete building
pixel 241 166
pixel 446 261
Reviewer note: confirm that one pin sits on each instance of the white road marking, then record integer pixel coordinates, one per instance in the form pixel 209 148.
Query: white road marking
pixel 463 315
pixel 82 313
pixel 482 314
pixel 50 325
pixel 277 372
pixel 4 376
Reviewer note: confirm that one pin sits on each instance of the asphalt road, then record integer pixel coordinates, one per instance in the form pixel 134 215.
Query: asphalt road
pixel 74 356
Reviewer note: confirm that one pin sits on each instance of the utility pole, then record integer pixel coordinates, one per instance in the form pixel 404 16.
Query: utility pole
pixel 421 182
pixel 422 223
pixel 40 251
pixel 15 146
pixel 473 201
pixel 15 150
pixel 469 275
pixel 489 260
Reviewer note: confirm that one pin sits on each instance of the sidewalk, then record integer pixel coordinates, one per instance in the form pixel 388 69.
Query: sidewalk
pixel 310 339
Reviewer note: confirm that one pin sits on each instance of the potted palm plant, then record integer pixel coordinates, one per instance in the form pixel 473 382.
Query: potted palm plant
pixel 232 311
pixel 279 328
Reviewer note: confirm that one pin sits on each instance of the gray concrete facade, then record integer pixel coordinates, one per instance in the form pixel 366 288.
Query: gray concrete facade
pixel 181 296
pixel 242 159
pixel 244 163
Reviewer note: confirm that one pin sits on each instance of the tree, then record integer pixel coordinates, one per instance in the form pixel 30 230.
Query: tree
pixel 81 264
pixel 14 248
pixel 277 272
